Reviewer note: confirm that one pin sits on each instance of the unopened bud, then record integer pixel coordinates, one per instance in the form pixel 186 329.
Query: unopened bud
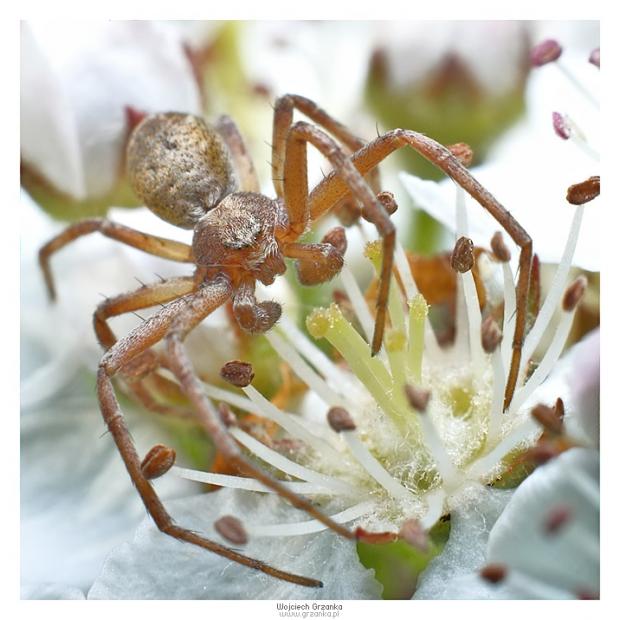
pixel 500 249
pixel 340 420
pixel 545 52
pixel 583 192
pixel 491 334
pixel 336 237
pixel 158 460
pixel 595 57
pixel 414 534
pixel 561 126
pixel 417 397
pixel 462 259
pixel 239 374
pixel 231 529
pixel 574 293
pixel 548 419
pixel 493 573
pixel 463 152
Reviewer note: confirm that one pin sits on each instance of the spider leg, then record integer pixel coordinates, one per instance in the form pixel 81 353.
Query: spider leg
pixel 318 262
pixel 244 166
pixel 187 312
pixel 181 366
pixel 252 316
pixel 333 188
pixel 300 211
pixel 151 244
pixel 139 374
pixel 282 122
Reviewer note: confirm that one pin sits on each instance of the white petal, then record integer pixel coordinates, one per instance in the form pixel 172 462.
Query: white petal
pixel 569 559
pixel 155 566
pixel 51 591
pixel 100 68
pixel 77 501
pixel 465 550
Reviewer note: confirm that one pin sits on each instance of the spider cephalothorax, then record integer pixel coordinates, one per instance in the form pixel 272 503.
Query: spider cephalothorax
pixel 200 177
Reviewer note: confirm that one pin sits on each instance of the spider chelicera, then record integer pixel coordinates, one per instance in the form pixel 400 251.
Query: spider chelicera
pixel 200 176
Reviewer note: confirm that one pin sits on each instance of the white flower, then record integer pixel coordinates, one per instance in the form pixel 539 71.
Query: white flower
pixel 530 168
pixel 544 545
pixel 393 464
pixel 77 81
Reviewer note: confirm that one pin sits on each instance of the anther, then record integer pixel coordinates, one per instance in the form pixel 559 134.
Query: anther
pixel 239 374
pixel 500 249
pixel 548 419
pixel 348 212
pixel 583 192
pixel 340 420
pixel 560 125
pixel 226 415
pixel 559 408
pixel 336 237
pixel 388 201
pixel 231 529
pixel 158 460
pixel 545 52
pixel 375 538
pixel 557 518
pixel 133 117
pixel 542 453
pixel 463 152
pixel 595 57
pixel 462 259
pixel 491 334
pixel 412 532
pixel 417 397
pixel 493 573
pixel 574 293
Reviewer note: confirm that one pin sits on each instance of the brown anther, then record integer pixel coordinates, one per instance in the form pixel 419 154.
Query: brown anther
pixel 559 408
pixel 548 419
pixel 545 52
pixel 375 538
pixel 491 334
pixel 239 374
pixel 493 573
pixel 463 152
pixel 557 518
pixel 595 57
pixel 340 420
pixel 412 532
pixel 462 259
pixel 336 237
pixel 500 249
pixel 574 293
pixel 580 193
pixel 542 453
pixel 560 126
pixel 388 201
pixel 417 397
pixel 158 460
pixel 133 117
pixel 587 595
pixel 231 529
pixel 226 415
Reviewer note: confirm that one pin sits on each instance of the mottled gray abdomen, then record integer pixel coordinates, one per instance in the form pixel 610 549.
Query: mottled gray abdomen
pixel 179 166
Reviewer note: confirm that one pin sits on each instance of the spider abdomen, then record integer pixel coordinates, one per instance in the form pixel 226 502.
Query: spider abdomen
pixel 179 166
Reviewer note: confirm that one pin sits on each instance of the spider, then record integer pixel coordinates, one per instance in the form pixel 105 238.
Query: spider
pixel 199 176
